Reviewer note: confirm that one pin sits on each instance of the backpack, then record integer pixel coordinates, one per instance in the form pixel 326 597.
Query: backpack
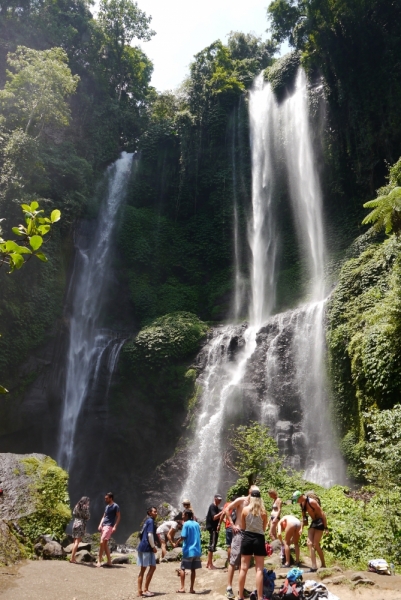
pixel 294 575
pixel 269 577
pixel 315 591
pixel 311 494
pixel 291 591
pixel 379 566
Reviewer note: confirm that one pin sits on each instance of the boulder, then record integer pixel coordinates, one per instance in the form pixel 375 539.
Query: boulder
pixel 67 541
pixel 357 576
pixel 364 581
pixel 53 550
pixel 85 557
pixel 120 559
pixel 81 546
pixel 276 545
pixel 174 554
pixel 10 549
pixel 339 579
pixel 38 549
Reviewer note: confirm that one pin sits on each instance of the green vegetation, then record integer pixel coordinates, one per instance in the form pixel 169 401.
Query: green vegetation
pixel 362 524
pixel 51 505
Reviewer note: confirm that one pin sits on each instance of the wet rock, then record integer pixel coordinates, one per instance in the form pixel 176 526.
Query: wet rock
pixel 67 541
pixel 81 546
pixel 120 559
pixel 174 554
pixel 53 550
pixel 85 557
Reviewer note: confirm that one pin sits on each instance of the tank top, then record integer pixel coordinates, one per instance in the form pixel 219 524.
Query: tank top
pixel 254 524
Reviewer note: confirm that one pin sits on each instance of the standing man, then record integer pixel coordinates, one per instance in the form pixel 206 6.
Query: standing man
pixel 191 550
pixel 147 552
pixel 316 528
pixel 213 527
pixel 107 527
pixel 238 506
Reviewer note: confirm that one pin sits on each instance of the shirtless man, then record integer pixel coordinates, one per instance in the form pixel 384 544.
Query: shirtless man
pixel 275 514
pixel 289 531
pixel 235 556
pixel 316 528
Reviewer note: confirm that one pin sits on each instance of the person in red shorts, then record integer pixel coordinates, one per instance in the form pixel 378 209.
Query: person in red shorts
pixel 107 527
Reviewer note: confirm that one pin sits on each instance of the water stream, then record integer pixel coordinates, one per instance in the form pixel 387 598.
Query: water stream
pixel 275 370
pixel 90 347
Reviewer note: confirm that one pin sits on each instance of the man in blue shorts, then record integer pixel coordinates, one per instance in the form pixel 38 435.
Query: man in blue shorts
pixel 147 552
pixel 191 550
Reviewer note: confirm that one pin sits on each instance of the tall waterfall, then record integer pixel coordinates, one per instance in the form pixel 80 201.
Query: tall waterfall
pixel 89 345
pixel 272 369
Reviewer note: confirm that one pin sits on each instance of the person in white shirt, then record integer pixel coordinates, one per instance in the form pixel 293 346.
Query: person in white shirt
pixel 166 532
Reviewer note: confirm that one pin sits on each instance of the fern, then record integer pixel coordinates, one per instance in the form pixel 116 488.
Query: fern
pixel 386 213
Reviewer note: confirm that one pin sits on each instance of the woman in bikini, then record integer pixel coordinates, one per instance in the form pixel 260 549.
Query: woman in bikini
pixel 289 531
pixel 275 514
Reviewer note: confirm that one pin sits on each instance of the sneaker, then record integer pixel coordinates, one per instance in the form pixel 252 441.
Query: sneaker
pixel 230 594
pixel 253 596
pixel 247 593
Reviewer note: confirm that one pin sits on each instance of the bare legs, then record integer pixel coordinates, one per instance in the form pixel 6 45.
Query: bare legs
pixel 104 547
pixel 292 535
pixel 273 528
pixel 182 578
pixel 259 564
pixel 148 579
pixel 314 537
pixel 74 549
pixel 164 548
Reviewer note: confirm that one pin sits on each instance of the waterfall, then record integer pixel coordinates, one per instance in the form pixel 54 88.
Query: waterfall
pixel 271 369
pixel 239 280
pixel 89 345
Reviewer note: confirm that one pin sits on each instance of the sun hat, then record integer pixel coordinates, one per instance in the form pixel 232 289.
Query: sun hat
pixel 295 497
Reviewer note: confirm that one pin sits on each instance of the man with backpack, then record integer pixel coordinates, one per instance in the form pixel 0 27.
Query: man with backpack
pixel 310 505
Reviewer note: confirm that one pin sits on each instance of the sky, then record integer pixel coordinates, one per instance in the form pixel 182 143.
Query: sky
pixel 185 27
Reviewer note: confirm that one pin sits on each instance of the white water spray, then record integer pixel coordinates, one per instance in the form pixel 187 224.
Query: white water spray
pixel 87 343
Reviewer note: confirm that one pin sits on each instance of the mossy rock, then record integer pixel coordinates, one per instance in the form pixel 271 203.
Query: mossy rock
pixel 168 339
pixel 282 74
pixel 35 497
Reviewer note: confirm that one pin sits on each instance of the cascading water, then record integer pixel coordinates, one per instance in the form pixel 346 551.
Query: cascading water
pixel 275 369
pixel 90 346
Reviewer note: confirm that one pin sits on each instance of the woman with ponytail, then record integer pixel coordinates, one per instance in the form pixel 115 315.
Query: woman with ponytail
pixel 253 523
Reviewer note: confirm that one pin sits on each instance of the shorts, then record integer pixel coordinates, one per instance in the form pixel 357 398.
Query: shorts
pixel 253 544
pixel 146 559
pixel 191 563
pixel 107 530
pixel 162 537
pixel 213 540
pixel 235 556
pixel 317 524
pixel 229 536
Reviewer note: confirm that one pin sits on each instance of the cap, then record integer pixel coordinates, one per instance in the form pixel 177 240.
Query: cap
pixel 295 497
pixel 186 501
pixel 218 496
pixel 255 494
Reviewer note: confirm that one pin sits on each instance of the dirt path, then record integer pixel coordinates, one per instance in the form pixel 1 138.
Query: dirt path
pixel 62 581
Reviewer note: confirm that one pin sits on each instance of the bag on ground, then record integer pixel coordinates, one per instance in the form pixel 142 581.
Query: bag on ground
pixel 269 577
pixel 314 590
pixel 379 565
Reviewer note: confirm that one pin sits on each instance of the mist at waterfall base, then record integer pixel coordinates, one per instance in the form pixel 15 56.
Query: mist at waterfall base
pixel 93 350
pixel 271 369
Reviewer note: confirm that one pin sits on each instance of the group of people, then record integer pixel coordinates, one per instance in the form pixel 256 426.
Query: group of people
pixel 246 521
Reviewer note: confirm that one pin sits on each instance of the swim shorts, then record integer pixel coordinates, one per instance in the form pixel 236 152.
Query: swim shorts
pixel 253 544
pixel 317 524
pixel 106 533
pixel 235 556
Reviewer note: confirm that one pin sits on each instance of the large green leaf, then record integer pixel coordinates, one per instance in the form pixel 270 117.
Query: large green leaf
pixel 41 256
pixel 34 205
pixel 35 242
pixel 23 250
pixel 55 216
pixel 16 260
pixel 18 231
pixel 11 246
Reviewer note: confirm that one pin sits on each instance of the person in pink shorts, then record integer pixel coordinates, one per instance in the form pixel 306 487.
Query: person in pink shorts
pixel 107 527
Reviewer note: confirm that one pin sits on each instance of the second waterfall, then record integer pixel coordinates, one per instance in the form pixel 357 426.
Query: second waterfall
pixel 271 369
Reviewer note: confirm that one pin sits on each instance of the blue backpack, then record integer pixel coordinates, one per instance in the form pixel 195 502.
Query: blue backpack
pixel 294 575
pixel 269 577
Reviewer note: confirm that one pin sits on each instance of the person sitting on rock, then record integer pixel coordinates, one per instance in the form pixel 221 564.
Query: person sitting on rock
pixel 82 516
pixel 166 532
pixel 107 527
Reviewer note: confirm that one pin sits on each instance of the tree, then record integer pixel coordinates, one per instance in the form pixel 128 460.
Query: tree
pixel 382 449
pixel 30 237
pixel 386 213
pixel 35 94
pixel 121 22
pixel 254 452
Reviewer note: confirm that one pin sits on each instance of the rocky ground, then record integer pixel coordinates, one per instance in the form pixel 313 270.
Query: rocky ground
pixel 35 580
